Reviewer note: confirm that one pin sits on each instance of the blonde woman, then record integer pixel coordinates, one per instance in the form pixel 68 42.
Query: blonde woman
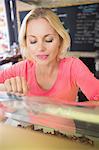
pixel 45 70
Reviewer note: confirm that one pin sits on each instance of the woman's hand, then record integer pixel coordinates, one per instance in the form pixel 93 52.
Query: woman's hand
pixel 15 85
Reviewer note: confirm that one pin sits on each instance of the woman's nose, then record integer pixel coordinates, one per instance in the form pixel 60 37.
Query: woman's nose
pixel 41 46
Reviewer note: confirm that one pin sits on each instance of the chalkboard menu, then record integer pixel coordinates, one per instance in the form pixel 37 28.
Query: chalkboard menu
pixel 83 24
pixel 82 21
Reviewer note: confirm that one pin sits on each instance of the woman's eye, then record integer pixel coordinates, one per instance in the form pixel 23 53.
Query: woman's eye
pixel 32 42
pixel 49 41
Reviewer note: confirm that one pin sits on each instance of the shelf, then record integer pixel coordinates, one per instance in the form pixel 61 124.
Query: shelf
pixel 82 54
pixel 12 59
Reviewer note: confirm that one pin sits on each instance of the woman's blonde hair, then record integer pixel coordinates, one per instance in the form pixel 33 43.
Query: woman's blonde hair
pixel 54 21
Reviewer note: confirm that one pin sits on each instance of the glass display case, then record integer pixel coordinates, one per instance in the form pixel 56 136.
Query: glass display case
pixel 47 115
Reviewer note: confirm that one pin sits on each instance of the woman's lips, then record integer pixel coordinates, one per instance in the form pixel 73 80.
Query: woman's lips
pixel 43 57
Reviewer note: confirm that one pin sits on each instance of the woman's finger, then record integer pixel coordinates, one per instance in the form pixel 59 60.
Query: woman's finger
pixel 24 85
pixel 13 84
pixel 19 84
pixel 7 85
pixel 2 87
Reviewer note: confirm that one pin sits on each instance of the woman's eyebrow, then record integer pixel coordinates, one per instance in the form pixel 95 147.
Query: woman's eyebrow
pixel 30 35
pixel 50 35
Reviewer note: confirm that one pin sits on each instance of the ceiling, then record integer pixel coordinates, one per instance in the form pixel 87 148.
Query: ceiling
pixel 48 3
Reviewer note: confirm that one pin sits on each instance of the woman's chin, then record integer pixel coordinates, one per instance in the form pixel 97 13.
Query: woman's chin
pixel 42 61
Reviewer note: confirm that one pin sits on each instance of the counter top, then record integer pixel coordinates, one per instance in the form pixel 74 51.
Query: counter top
pixel 12 138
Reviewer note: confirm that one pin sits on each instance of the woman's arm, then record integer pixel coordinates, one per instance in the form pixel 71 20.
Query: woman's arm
pixel 13 79
pixel 85 80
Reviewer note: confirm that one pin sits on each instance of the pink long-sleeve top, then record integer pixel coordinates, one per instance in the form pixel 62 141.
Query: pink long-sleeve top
pixel 72 75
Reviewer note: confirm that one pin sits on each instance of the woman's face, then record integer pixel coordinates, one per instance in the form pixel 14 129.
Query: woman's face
pixel 43 42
